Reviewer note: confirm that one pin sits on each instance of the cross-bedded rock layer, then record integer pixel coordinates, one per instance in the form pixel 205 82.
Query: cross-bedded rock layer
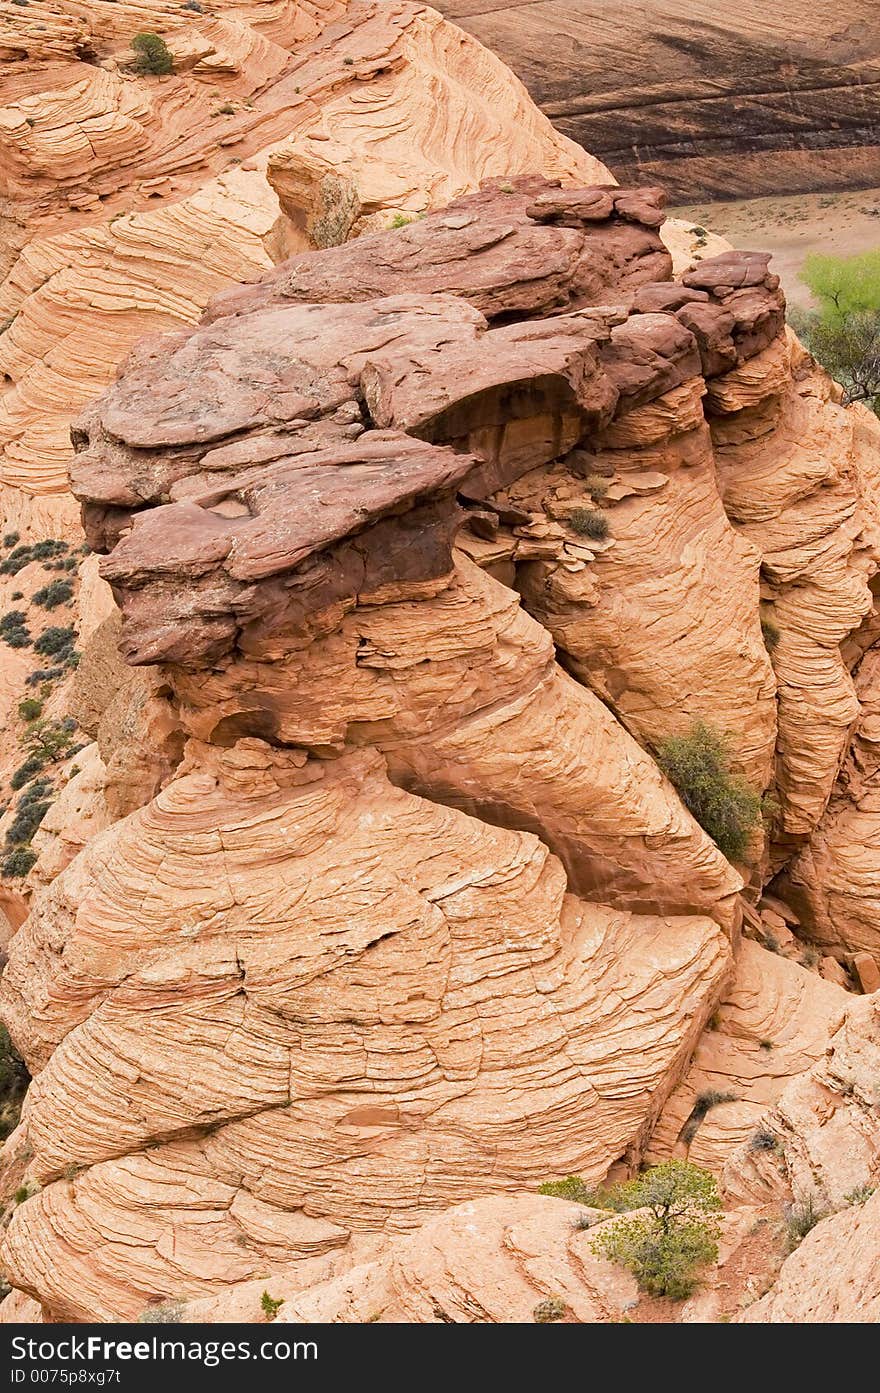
pixel 433 538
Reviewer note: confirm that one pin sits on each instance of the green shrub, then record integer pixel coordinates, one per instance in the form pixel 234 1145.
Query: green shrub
pixel 14 1079
pixel 723 804
pixel 270 1306
pixel 703 1104
pixel 49 546
pixel 30 709
pixel 550 1309
pixel 844 332
pixel 589 522
pixel 56 593
pixel 576 1189
pixel 27 771
pixel 10 539
pixel 49 741
pixel 28 816
pixel 571 1188
pixel 14 630
pixel 400 220
pixel 597 487
pixel 153 55
pixel 666 1248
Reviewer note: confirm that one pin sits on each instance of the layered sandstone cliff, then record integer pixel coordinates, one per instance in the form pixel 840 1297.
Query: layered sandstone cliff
pixel 367 907
pixel 714 101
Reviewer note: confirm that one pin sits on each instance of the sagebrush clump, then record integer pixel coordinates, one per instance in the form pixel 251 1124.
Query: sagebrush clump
pixel 698 764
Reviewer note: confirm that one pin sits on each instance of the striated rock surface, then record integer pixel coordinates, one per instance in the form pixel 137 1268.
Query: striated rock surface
pixel 833 1277
pixel 825 1122
pixel 772 1026
pixel 713 102
pixel 209 1029
pixel 358 903
pixel 132 200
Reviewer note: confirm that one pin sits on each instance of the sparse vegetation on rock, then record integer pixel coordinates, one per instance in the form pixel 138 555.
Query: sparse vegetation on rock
pixel 153 55
pixel 698 764
pixel 589 522
pixel 668 1247
pixel 844 332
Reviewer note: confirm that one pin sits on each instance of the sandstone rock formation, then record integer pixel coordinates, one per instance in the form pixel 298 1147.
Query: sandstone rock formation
pixel 772 1026
pixel 711 101
pixel 357 904
pixel 141 197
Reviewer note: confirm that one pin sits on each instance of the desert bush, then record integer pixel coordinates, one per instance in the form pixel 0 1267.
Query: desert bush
pixel 763 1140
pixel 18 863
pixel 666 1248
pixel 42 676
pixel 162 1313
pixel 25 772
pixel 589 522
pixel 56 593
pixel 30 708
pixel 571 1188
pixel 550 1309
pixel 703 1104
pixel 56 641
pixel 270 1305
pixel 49 741
pixel 769 632
pixel 800 1217
pixel 14 1079
pixel 14 630
pixel 597 487
pixel 722 803
pixel 860 1195
pixel 153 55
pixel 32 808
pixel 10 539
pixel 843 333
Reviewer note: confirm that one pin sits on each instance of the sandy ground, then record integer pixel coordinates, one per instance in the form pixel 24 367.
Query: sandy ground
pixel 793 226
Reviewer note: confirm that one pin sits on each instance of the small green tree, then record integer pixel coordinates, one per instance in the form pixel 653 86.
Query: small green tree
pixel 843 332
pixel 698 764
pixel 153 55
pixel 666 1248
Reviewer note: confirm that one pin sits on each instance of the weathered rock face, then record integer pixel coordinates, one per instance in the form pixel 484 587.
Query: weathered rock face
pixel 133 200
pixel 772 1026
pixel 232 1021
pixel 710 101
pixel 833 1277
pixel 825 1124
pixel 825 1152
pixel 424 543
pixel 614 394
